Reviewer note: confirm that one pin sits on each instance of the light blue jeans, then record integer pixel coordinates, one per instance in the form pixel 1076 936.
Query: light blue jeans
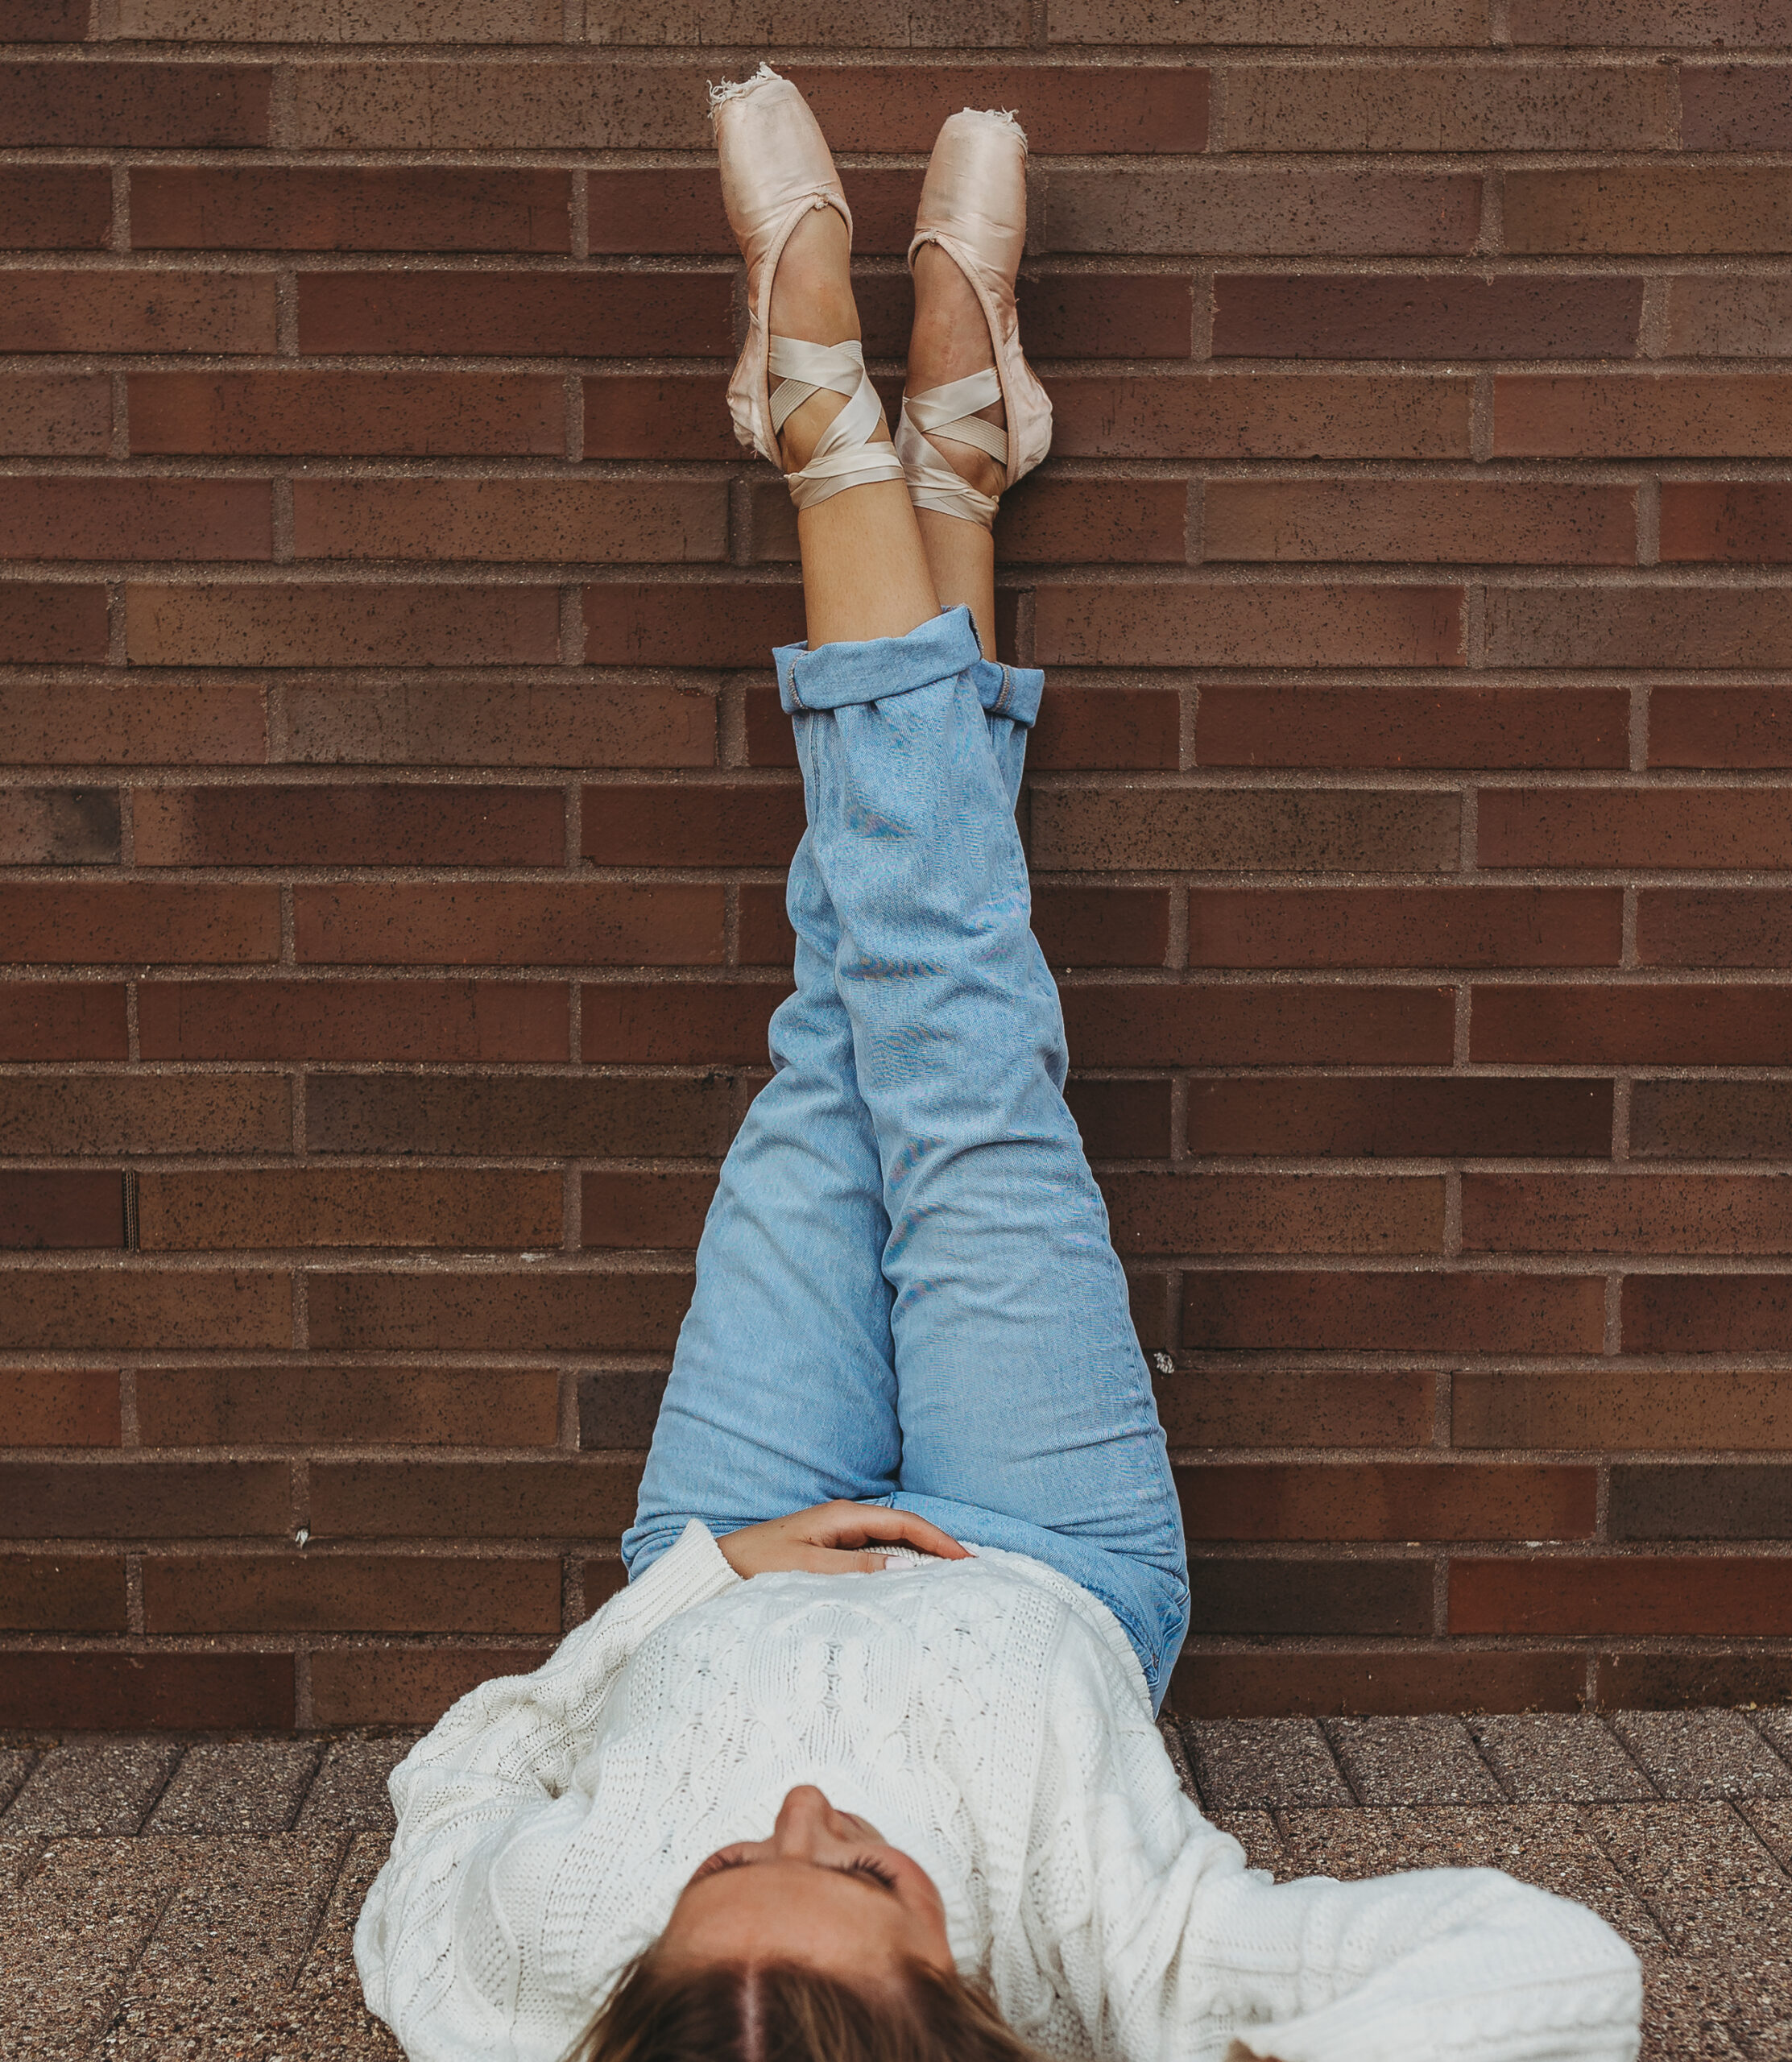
pixel 905 1292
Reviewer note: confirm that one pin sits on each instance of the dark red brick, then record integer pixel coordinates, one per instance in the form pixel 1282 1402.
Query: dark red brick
pixel 101 309
pixel 736 825
pixel 1102 926
pixel 319 622
pixel 480 314
pixel 1262 1594
pixel 1688 1500
pixel 159 1499
pixel 83 1593
pixel 1657 1213
pixel 677 624
pixel 510 924
pixel 1506 522
pixel 348 1406
pixel 1051 521
pixel 1222 413
pixel 1413 726
pixel 1652 1681
pixel 473 1499
pixel 1390 1501
pixel 194 1210
pixel 1388 1116
pixel 1678 827
pixel 1680 1026
pixel 1069 108
pixel 672 415
pixel 58 826
pixel 1132 315
pixel 1121 1120
pixel 62 1020
pixel 136 106
pixel 645 1210
pixel 60 1407
pixel 1352 316
pixel 1181 1024
pixel 1735 107
pixel 1714 927
pixel 461 1021
pixel 146 1691
pixel 1266 1407
pixel 349 208
pixel 58 625
pixel 138 519
pixel 55 207
pixel 128 920
pixel 583 1312
pixel 1425 1312
pixel 1729 521
pixel 1707 1314
pixel 1705 1119
pixel 44 21
pixel 65 1209
pixel 1209 622
pixel 1638 1597
pixel 349 1592
pixel 1405 927
pixel 1720 726
pixel 408 414
pixel 1163 1213
pixel 1337 1684
pixel 704 1023
pixel 1677 1411
pixel 406 1686
pixel 544 1115
pixel 436 824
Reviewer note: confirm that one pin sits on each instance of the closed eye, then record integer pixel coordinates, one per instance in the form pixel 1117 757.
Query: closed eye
pixel 872 1870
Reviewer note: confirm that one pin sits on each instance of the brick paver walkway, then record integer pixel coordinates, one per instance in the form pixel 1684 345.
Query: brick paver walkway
pixel 164 1898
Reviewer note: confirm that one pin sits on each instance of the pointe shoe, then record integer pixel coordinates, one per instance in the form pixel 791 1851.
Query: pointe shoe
pixel 974 206
pixel 776 167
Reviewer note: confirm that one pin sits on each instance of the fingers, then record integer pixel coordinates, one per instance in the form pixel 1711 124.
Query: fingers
pixel 852 1525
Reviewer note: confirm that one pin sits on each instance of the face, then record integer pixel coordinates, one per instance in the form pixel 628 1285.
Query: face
pixel 827 1890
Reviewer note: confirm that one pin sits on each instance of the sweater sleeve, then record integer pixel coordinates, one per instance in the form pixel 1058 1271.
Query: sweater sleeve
pixel 442 1946
pixel 1171 1949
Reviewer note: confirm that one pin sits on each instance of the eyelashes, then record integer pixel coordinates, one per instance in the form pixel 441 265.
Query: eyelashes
pixel 864 1864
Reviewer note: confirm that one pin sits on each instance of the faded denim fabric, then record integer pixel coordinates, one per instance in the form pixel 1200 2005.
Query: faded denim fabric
pixel 905 1291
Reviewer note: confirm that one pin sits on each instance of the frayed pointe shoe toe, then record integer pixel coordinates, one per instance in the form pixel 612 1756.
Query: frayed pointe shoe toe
pixel 775 168
pixel 974 206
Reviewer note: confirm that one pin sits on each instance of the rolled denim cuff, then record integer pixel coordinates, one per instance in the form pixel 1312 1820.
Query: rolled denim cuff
pixel 836 676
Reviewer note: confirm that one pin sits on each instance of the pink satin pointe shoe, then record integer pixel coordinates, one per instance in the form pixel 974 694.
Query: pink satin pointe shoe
pixel 974 206
pixel 775 168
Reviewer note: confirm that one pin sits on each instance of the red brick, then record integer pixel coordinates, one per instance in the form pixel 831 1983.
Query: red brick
pixel 1677 1410
pixel 1189 1024
pixel 1333 1683
pixel 1642 414
pixel 406 1686
pixel 59 1407
pixel 438 824
pixel 1225 209
pixel 64 1209
pixel 1652 1681
pixel 1646 208
pixel 660 1024
pixel 1266 1407
pixel 80 1594
pixel 548 1117
pixel 1676 827
pixel 138 311
pixel 143 106
pixel 53 922
pixel 281 1206
pixel 583 521
pixel 589 314
pixel 1635 1596
pixel 349 1592
pixel 1392 1501
pixel 58 826
pixel 1271 22
pixel 1715 927
pixel 159 1499
pixel 1461 106
pixel 138 519
pixel 1684 1500
pixel 52 207
pixel 740 824
pixel 1393 1117
pixel 1424 1313
pixel 1067 108
pixel 434 415
pixel 61 1310
pixel 173 723
pixel 349 208
pixel 348 1406
pixel 1678 1026
pixel 1105 315
pixel 1367 829
pixel 1164 1213
pixel 323 21
pixel 467 1499
pixel 111 1692
pixel 645 1210
pixel 317 623
pixel 672 415
pixel 1492 522
pixel 1051 521
pixel 1652 626
pixel 112 1113
pixel 1102 926
pixel 1729 520
pixel 59 624
pixel 1256 1594
pixel 1203 622
pixel 617 1412
pixel 1720 726
pixel 1406 927
pixel 477 723
pixel 561 1312
pixel 1401 316
pixel 62 414
pixel 1729 315
pixel 43 21
pixel 1707 1314
pixel 62 1020
pixel 477 923
pixel 415 1020
pixel 1413 726
pixel 1643 1213
pixel 762 933
pixel 1264 415
pixel 718 624
pixel 1122 1119
pixel 1705 1119
pixel 1701 24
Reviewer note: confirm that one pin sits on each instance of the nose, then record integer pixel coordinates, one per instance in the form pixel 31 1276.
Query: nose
pixel 803 1822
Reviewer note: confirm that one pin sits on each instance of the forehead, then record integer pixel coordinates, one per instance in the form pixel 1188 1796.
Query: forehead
pixel 786 1908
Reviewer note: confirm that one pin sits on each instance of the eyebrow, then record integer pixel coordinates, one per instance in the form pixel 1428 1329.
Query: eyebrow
pixel 834 1868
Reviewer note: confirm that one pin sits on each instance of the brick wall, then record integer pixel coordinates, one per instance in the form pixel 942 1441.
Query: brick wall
pixel 394 804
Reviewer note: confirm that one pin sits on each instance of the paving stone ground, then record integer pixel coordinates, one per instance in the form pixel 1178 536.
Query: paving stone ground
pixel 166 1899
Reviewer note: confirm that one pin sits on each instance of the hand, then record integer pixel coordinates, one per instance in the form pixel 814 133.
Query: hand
pixel 833 1539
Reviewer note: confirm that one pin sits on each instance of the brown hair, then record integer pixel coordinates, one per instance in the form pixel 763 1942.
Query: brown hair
pixel 782 2011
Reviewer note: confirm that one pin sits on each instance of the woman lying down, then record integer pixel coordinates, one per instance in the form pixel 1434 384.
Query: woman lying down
pixel 862 1765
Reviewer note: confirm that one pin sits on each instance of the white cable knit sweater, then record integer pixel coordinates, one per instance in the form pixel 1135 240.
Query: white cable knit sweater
pixel 989 1718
